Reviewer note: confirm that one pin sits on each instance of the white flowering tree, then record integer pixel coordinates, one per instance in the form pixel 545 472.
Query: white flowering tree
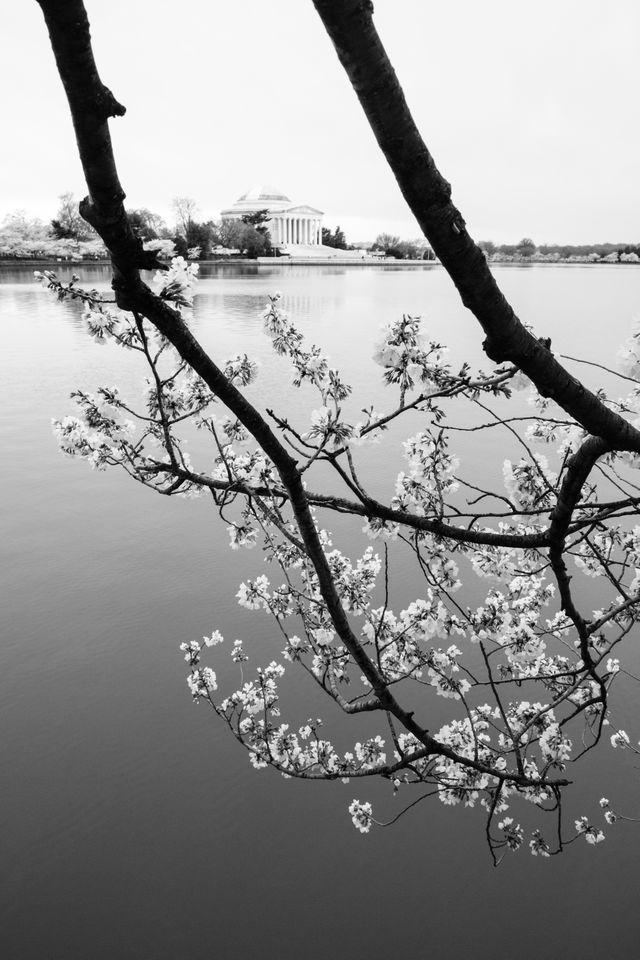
pixel 527 673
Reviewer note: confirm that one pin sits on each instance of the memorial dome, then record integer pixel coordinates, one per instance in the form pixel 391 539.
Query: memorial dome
pixel 265 192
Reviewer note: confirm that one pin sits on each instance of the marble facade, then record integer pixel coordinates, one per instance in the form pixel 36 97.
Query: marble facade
pixel 289 224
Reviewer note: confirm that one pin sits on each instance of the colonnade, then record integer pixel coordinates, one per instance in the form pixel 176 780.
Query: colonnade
pixel 288 230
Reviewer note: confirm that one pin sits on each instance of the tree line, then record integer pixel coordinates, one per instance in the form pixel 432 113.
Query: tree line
pixel 527 250
pixel 67 236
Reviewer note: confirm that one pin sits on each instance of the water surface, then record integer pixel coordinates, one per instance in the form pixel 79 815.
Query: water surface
pixel 133 826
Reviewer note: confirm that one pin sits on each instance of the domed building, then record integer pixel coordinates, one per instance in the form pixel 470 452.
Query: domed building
pixel 289 224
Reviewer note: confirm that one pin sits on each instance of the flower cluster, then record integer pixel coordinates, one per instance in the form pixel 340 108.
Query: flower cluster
pixel 430 476
pixel 409 358
pixel 177 283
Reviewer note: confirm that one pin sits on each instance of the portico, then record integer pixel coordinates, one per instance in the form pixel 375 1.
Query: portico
pixel 289 224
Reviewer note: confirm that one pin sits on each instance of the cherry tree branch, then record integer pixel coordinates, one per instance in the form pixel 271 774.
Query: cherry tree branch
pixel 350 26
pixel 91 105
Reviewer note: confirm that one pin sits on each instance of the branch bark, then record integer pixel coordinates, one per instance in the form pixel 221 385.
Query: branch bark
pixel 350 26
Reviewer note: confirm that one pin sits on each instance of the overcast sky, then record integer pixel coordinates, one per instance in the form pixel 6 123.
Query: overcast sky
pixel 530 110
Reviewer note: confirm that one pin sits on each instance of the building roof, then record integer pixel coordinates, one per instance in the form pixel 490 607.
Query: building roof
pixel 264 192
pixel 267 197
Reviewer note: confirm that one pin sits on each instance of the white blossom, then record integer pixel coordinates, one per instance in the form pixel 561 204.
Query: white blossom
pixel 361 815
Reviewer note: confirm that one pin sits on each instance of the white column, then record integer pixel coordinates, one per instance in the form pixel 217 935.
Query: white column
pixel 305 224
pixel 288 230
pixel 308 230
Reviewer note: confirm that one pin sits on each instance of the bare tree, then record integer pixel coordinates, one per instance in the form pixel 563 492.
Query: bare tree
pixel 184 209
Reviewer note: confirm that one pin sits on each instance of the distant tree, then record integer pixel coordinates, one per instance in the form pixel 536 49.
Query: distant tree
pixel 388 243
pixel 245 237
pixel 386 240
pixel 18 224
pixel 145 224
pixel 337 239
pixel 526 248
pixel 258 221
pixel 488 247
pixel 68 223
pixel 231 233
pixel 393 246
pixel 184 209
pixel 190 233
pixel 256 244
pixel 408 250
pixel 507 249
pixel 199 235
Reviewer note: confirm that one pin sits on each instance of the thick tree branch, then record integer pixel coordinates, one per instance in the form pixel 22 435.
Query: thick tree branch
pixel 350 26
pixel 91 106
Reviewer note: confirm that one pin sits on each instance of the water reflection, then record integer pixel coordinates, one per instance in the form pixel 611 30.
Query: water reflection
pixel 133 826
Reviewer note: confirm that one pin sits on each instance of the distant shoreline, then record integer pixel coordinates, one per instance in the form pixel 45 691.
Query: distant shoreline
pixel 329 261
pixel 237 261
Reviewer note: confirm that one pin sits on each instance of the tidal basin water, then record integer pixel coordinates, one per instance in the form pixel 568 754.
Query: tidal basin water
pixel 133 826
